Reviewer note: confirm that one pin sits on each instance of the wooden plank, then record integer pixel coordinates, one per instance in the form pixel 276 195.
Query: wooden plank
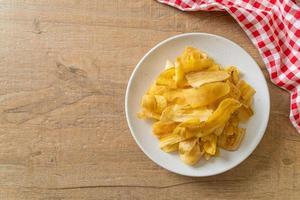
pixel 63 73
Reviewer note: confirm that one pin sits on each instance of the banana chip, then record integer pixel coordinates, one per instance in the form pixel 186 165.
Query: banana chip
pixel 158 89
pixel 152 105
pixel 191 123
pixel 219 130
pixel 197 107
pixel 161 103
pixel 200 78
pixel 162 129
pixel 166 78
pixel 232 142
pixel 246 90
pixel 179 74
pixel 214 67
pixel 146 114
pixel 244 113
pixel 193 60
pixel 149 102
pixel 210 144
pixel 234 91
pixel 175 97
pixel 206 94
pixel 234 74
pixel 220 117
pixel 170 148
pixel 170 140
pixel 178 113
pixel 231 126
pixel 189 151
pixel 183 115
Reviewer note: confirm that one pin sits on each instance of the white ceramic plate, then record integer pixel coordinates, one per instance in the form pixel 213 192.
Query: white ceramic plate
pixel 225 52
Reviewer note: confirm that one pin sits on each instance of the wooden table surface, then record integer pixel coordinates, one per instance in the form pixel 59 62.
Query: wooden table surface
pixel 63 134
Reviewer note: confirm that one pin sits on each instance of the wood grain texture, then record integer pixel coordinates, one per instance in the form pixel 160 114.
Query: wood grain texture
pixel 64 67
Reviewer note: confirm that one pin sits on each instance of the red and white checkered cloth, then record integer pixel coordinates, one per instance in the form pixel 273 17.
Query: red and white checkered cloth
pixel 274 28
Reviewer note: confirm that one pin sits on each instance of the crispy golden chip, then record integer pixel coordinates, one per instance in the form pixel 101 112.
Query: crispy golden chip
pixel 231 142
pixel 183 132
pixel 246 90
pixel 161 103
pixel 188 145
pixel 166 78
pixel 189 151
pixel 244 113
pixel 200 78
pixel 162 129
pixel 152 106
pixel 149 102
pixel 201 113
pixel 178 113
pixel 193 60
pixel 175 97
pixel 220 117
pixel 146 114
pixel 210 144
pixel 179 134
pixel 179 74
pixel 158 89
pixel 170 140
pixel 219 130
pixel 170 148
pixel 234 91
pixel 191 123
pixel 168 113
pixel 197 107
pixel 234 74
pixel 229 128
pixel 248 102
pixel 206 94
pixel 213 67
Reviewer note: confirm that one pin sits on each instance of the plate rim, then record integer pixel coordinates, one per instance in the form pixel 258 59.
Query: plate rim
pixel 133 74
